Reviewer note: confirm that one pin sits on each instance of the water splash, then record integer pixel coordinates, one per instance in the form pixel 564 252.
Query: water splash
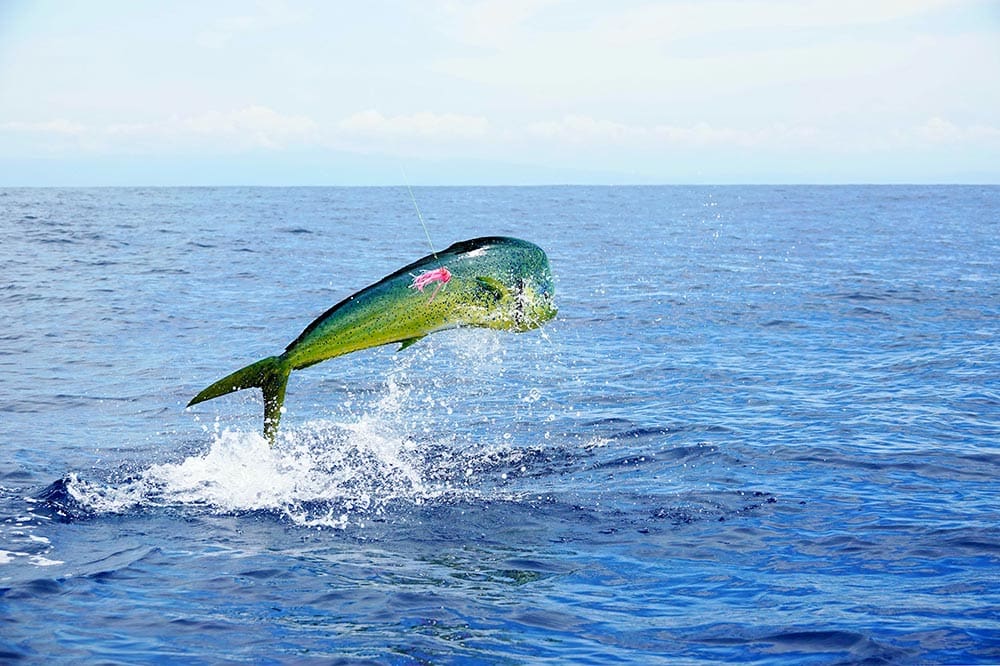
pixel 426 435
pixel 321 474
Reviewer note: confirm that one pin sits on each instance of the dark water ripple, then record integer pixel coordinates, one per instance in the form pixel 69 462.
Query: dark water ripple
pixel 763 429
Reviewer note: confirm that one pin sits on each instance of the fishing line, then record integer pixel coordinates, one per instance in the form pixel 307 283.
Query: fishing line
pixel 419 216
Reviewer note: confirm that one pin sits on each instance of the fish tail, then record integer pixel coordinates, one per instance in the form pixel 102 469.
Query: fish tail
pixel 270 375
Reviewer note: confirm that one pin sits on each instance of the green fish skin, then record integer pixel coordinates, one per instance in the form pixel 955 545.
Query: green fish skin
pixel 493 282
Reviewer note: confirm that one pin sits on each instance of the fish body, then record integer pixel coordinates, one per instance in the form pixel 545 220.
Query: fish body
pixel 493 282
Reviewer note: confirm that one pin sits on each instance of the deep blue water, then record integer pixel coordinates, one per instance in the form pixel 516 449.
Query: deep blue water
pixel 765 427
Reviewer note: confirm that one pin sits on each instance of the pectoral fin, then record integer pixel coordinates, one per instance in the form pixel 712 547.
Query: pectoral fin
pixel 403 344
pixel 494 287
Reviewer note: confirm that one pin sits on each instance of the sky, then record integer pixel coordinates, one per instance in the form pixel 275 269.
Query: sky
pixel 497 92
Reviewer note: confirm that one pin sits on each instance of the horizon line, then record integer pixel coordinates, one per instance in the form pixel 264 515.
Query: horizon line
pixel 520 185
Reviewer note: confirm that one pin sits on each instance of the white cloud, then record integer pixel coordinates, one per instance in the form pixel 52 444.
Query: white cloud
pixel 249 127
pixel 445 126
pixel 570 140
pixel 578 130
pixel 588 138
pixel 938 131
pixel 257 126
pixel 59 126
pixel 260 125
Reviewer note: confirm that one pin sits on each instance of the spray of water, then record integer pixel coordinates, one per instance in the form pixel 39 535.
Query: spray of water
pixel 439 427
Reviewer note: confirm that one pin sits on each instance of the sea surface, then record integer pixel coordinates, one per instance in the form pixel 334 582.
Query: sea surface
pixel 764 428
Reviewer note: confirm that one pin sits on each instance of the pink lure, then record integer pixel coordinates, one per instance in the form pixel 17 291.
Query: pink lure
pixel 439 275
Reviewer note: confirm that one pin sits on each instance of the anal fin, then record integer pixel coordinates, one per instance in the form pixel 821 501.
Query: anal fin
pixel 403 344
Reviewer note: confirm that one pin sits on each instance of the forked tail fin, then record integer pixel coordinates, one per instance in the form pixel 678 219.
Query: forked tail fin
pixel 270 375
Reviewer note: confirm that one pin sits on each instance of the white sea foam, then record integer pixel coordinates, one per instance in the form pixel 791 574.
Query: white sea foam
pixel 322 473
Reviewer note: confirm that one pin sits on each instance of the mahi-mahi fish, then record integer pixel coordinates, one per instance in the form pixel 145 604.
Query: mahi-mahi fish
pixel 493 282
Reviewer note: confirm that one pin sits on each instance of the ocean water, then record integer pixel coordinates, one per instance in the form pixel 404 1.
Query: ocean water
pixel 764 428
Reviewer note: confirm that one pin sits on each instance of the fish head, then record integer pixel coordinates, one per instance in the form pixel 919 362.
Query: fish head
pixel 517 292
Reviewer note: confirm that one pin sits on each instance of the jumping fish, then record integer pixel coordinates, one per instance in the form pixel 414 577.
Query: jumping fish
pixel 492 282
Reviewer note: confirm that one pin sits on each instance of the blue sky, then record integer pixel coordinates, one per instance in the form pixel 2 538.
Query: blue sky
pixel 499 92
